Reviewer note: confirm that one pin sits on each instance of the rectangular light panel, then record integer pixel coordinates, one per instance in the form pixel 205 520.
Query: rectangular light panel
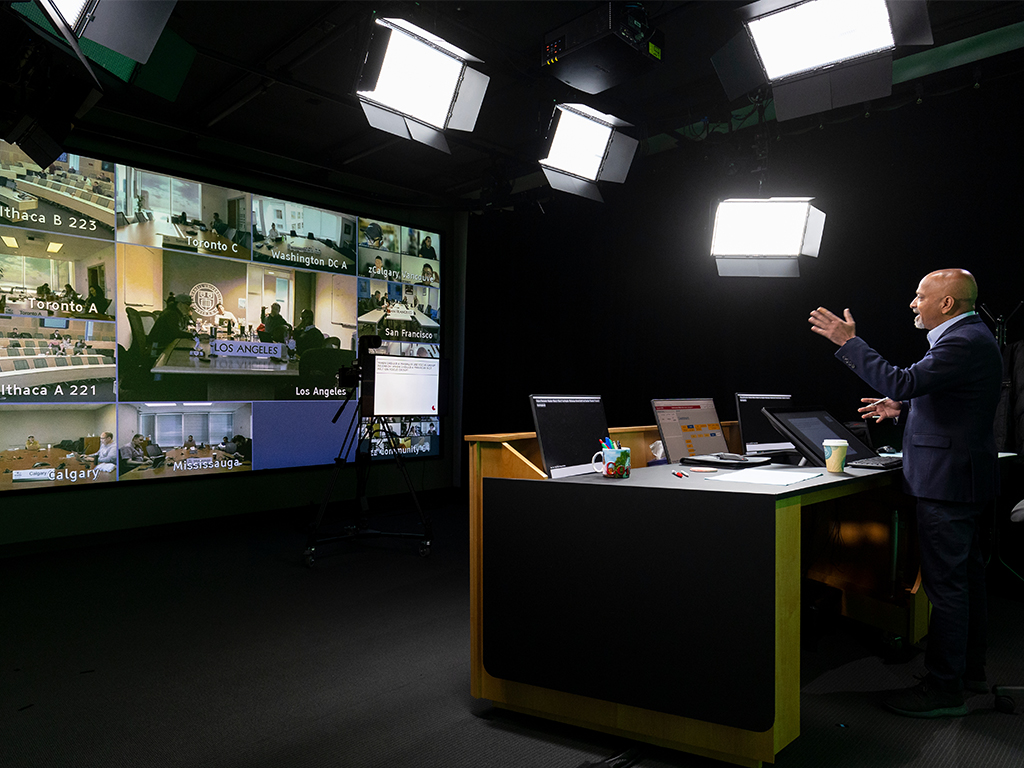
pixel 70 10
pixel 773 227
pixel 578 146
pixel 819 33
pixel 417 80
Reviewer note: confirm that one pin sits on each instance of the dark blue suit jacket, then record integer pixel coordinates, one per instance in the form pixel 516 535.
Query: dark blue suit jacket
pixel 950 398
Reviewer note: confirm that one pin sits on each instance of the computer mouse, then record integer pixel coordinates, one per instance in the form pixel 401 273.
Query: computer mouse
pixel 887 449
pixel 732 456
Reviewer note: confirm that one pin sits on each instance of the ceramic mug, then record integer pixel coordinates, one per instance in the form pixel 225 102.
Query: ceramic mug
pixel 614 462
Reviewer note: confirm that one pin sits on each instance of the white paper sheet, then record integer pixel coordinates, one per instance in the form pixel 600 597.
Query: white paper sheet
pixel 765 477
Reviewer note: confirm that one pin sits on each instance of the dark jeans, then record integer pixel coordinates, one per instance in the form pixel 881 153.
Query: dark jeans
pixel 953 573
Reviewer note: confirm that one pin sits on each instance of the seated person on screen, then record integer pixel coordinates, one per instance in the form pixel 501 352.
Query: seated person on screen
pixel 134 454
pixel 276 325
pixel 96 301
pixel 56 335
pixel 69 294
pixel 189 443
pixel 66 345
pixel 106 457
pixel 273 234
pixel 227 445
pixel 31 444
pixel 79 347
pixel 376 269
pixel 427 250
pixel 12 334
pixel 223 314
pixel 172 323
pixel 307 335
pixel 243 447
pixel 373 235
pixel 428 276
pixel 217 224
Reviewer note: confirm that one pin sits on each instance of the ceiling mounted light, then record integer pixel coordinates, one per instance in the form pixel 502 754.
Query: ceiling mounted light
pixel 9 241
pixel 416 85
pixel 820 33
pixel 586 147
pixel 129 27
pixel 765 237
pixel 819 54
pixel 54 247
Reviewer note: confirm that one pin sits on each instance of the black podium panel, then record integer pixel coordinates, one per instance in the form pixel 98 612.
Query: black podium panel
pixel 656 598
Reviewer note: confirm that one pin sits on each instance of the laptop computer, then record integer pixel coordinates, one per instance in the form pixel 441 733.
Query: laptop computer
pixel 688 427
pixel 807 428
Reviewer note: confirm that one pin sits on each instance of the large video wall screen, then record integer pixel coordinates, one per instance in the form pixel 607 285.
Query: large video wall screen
pixel 158 327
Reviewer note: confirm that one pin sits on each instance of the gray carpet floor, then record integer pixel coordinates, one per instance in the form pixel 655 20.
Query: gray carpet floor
pixel 214 647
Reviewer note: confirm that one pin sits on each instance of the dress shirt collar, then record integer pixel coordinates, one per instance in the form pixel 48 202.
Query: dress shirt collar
pixel 936 333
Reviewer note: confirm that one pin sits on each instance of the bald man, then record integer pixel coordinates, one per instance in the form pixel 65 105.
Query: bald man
pixel 948 399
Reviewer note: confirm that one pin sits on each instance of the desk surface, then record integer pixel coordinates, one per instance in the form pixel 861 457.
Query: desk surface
pixel 161 233
pixel 25 459
pixel 15 199
pixel 293 250
pixel 661 477
pixel 182 462
pixel 177 359
pixel 399 315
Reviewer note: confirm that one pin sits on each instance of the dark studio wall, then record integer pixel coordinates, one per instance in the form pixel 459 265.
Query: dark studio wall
pixel 621 299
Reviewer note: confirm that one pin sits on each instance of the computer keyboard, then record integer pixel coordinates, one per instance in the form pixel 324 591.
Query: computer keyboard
pixel 877 462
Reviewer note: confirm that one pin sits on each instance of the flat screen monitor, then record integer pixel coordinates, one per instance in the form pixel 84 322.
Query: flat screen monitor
pixel 227 382
pixel 405 386
pixel 808 428
pixel 756 433
pixel 569 430
pixel 689 427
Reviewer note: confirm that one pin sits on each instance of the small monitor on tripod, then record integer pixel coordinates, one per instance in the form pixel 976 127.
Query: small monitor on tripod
pixel 401 386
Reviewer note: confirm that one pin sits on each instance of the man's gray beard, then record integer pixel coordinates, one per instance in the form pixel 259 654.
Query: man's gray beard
pixel 917 322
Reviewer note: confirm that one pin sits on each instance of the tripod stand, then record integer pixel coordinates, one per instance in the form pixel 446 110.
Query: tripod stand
pixel 351 379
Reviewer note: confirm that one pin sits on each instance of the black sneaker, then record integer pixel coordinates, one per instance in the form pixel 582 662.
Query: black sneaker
pixel 925 701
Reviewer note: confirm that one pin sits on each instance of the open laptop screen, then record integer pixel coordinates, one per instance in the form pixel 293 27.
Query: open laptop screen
pixel 689 427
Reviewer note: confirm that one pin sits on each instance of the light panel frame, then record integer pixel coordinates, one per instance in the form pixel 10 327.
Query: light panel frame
pixel 817 34
pixel 765 237
pixel 422 86
pixel 586 146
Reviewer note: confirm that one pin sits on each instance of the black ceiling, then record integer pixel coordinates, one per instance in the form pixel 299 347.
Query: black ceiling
pixel 271 84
